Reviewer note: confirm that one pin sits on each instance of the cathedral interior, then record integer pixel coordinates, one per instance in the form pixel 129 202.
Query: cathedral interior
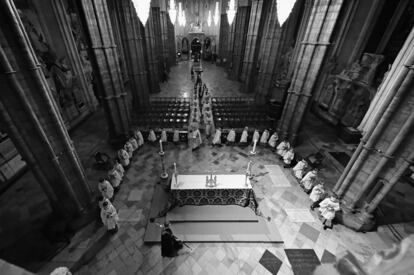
pixel 80 78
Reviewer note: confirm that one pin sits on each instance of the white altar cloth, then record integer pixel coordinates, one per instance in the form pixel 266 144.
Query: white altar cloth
pixel 224 181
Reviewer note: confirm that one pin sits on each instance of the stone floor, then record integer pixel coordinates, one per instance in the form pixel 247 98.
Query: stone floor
pixel 125 252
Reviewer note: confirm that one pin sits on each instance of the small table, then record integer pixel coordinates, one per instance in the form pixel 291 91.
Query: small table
pixel 231 189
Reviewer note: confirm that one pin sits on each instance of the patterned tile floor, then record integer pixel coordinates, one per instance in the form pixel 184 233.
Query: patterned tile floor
pixel 125 252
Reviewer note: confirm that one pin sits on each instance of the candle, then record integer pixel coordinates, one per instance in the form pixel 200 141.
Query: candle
pixel 254 146
pixel 175 168
pixel 160 145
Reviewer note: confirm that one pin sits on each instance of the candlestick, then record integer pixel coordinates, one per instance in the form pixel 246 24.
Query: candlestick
pixel 161 146
pixel 253 151
pixel 175 168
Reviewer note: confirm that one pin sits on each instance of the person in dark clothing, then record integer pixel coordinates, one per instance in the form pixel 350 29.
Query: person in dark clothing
pixel 170 245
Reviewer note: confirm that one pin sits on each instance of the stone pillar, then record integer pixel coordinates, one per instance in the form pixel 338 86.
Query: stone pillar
pixel 33 121
pixel 94 14
pixel 312 51
pixel 134 49
pixel 223 33
pixel 171 42
pixel 155 18
pixel 164 35
pixel 241 23
pixel 251 51
pixel 152 55
pixel 385 147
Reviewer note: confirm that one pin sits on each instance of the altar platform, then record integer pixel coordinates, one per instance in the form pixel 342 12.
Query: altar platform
pixel 212 219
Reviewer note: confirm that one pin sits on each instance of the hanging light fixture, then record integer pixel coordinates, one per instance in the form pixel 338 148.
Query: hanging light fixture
pixel 172 12
pixel 216 14
pixel 284 7
pixel 231 12
pixel 209 18
pixel 142 7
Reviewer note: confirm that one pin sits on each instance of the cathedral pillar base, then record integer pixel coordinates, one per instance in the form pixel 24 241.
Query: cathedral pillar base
pixel 361 221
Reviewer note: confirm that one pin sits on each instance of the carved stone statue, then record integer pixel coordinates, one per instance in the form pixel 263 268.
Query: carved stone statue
pixel 364 70
pixel 357 107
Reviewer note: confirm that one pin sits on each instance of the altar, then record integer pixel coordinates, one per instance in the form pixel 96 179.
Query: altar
pixel 231 189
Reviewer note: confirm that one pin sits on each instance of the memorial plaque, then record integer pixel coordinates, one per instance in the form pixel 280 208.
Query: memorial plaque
pixel 303 261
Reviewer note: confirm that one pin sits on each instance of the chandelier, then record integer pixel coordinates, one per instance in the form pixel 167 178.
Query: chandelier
pixel 172 12
pixel 181 15
pixel 209 18
pixel 142 7
pixel 284 7
pixel 231 12
pixel 216 14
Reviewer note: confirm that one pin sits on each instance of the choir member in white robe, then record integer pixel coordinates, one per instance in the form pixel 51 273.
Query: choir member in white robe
pixel 328 207
pixel 256 136
pixel 151 136
pixel 273 140
pixel 134 143
pixel 123 157
pixel 176 136
pixel 208 129
pixel 196 139
pixel 265 137
pixel 118 167
pixel 244 135
pixel 299 169
pixel 288 157
pixel 63 270
pixel 129 148
pixel 217 137
pixel 282 148
pixel 106 189
pixel 163 136
pixel 317 195
pixel 138 136
pixel 231 136
pixel 109 217
pixel 308 181
pixel 114 178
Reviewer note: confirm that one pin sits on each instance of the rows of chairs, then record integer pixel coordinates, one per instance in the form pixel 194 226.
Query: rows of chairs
pixel 164 112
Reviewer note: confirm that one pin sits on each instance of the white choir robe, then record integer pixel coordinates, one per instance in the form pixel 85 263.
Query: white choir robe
pixel 328 208
pixel 244 135
pixel 139 138
pixel 164 136
pixel 256 136
pixel 299 168
pixel 288 157
pixel 109 217
pixel 119 168
pixel 265 136
pixel 282 148
pixel 308 180
pixel 134 143
pixel 176 136
pixel 151 136
pixel 217 137
pixel 123 157
pixel 273 139
pixel 128 147
pixel 114 177
pixel 317 193
pixel 231 136
pixel 106 189
pixel 208 129
pixel 196 139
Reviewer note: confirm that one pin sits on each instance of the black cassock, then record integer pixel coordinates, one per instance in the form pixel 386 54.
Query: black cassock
pixel 169 243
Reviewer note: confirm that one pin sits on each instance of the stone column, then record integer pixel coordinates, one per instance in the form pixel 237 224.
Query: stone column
pixel 134 49
pixel 94 14
pixel 164 34
pixel 385 147
pixel 32 119
pixel 251 51
pixel 171 42
pixel 152 55
pixel 223 32
pixel 241 23
pixel 155 17
pixel 312 51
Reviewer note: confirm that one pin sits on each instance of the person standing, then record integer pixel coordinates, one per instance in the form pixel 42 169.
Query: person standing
pixel 129 148
pixel 114 178
pixel 119 168
pixel 176 136
pixel 288 157
pixel 328 208
pixel 170 245
pixel 151 136
pixel 282 148
pixel 196 139
pixel 264 138
pixel 231 137
pixel 134 143
pixel 273 140
pixel 109 217
pixel 106 189
pixel 123 157
pixel 138 136
pixel 317 195
pixel 299 169
pixel 217 137
pixel 256 136
pixel 163 136
pixel 309 180
pixel 244 136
